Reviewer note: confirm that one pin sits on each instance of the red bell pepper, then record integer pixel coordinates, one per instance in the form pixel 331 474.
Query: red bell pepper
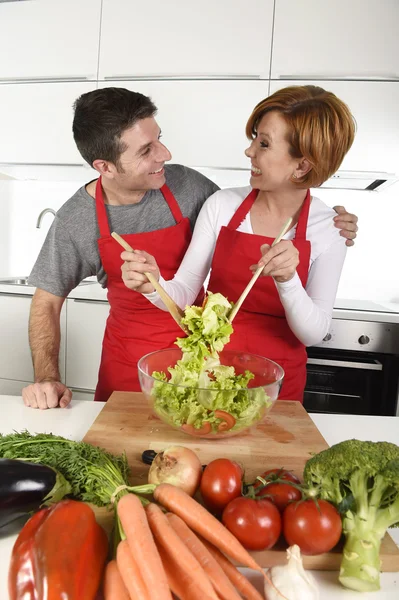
pixel 59 555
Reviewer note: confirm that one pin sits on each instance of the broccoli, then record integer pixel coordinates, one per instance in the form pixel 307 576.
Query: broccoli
pixel 362 480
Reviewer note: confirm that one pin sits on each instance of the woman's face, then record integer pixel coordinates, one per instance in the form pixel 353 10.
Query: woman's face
pixel 272 166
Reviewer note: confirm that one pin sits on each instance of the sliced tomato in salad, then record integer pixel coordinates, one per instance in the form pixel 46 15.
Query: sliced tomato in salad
pixel 206 428
pixel 228 421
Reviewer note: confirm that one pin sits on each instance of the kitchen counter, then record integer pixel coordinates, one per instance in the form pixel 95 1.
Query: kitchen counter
pixel 74 421
pixel 344 309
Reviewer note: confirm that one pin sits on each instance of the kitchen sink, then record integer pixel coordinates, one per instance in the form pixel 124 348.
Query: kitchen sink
pixel 24 281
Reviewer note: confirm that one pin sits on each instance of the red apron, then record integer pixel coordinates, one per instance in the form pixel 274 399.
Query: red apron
pixel 134 326
pixel 260 326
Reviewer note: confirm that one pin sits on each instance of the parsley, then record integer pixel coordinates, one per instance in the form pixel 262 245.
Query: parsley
pixel 93 473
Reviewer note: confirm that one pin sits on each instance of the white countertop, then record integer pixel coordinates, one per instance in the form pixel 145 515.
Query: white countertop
pixel 74 421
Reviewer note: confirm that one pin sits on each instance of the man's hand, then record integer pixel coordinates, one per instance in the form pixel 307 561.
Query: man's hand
pixel 134 266
pixel 46 394
pixel 347 223
pixel 280 261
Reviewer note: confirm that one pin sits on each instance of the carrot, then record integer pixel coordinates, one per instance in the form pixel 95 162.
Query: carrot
pixel 191 571
pixel 202 522
pixel 176 579
pixel 239 580
pixel 130 573
pixel 219 579
pixel 114 588
pixel 141 543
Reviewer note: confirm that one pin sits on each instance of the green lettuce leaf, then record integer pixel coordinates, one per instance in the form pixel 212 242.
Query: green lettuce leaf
pixel 198 384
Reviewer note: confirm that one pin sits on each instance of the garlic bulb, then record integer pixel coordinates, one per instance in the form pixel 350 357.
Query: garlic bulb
pixel 291 581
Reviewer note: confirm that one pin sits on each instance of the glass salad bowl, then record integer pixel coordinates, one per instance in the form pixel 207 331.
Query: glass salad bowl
pixel 210 408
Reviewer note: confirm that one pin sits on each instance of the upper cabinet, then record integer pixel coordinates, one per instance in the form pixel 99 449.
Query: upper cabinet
pixel 375 108
pixel 49 39
pixel 36 122
pixel 203 122
pixel 355 39
pixel 186 39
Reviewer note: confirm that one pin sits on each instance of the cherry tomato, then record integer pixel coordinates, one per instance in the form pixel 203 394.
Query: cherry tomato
pixel 255 523
pixel 316 528
pixel 281 494
pixel 220 483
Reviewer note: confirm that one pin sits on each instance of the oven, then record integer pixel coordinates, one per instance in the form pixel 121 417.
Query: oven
pixel 355 370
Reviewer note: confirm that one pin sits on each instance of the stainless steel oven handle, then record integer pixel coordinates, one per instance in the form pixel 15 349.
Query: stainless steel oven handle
pixel 325 362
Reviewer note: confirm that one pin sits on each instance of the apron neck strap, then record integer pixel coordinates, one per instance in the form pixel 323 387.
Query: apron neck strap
pixel 246 206
pixel 243 210
pixel 303 219
pixel 102 217
pixel 172 203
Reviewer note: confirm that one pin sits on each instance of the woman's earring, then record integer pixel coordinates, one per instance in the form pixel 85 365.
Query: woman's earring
pixel 294 176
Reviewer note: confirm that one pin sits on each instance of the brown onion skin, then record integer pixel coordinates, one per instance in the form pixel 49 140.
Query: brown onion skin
pixel 178 466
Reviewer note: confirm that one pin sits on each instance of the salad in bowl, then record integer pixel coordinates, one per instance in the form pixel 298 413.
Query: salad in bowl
pixel 203 389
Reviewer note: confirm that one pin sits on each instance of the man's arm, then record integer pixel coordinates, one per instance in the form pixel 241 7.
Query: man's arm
pixel 44 339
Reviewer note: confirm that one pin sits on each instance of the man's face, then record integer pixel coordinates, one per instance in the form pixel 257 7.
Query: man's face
pixel 141 165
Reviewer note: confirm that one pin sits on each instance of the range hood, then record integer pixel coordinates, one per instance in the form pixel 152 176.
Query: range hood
pixel 370 181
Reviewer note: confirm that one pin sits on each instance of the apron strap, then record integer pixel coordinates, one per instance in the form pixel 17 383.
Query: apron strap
pixel 246 206
pixel 172 203
pixel 243 210
pixel 302 224
pixel 102 218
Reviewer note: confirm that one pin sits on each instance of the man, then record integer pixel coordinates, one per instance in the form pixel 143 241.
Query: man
pixel 152 205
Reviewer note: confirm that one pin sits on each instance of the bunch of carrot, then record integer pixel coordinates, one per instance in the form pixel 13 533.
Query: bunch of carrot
pixel 183 551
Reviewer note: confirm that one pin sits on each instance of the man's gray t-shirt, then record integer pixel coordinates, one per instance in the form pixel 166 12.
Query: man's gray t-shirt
pixel 70 251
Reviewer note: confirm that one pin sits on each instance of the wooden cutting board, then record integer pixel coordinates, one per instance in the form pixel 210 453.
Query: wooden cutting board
pixel 287 438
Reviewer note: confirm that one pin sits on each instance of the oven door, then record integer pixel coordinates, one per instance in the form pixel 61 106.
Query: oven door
pixel 343 382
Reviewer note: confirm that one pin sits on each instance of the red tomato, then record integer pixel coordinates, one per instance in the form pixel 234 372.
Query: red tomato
pixel 255 523
pixel 281 494
pixel 220 483
pixel 316 528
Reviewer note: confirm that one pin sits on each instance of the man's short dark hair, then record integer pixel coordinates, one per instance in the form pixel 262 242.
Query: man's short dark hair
pixel 102 116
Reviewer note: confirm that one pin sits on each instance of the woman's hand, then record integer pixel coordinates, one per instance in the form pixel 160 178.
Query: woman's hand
pixel 134 266
pixel 280 262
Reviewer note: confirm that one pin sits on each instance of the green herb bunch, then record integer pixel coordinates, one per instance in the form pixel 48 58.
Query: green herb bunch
pixel 93 473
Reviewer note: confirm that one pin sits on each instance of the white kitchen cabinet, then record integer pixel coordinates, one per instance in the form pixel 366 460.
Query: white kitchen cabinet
pixel 9 387
pixel 186 38
pixel 85 330
pixel 340 39
pixel 375 108
pixel 15 357
pixel 36 122
pixel 203 123
pixel 49 39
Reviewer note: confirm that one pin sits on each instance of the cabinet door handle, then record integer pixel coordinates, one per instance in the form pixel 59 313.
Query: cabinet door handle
pixel 14 295
pixel 44 79
pixel 87 301
pixel 345 364
pixel 194 76
pixel 339 76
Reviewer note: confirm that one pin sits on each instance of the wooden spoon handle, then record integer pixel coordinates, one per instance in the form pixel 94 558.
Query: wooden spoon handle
pixel 255 276
pixel 170 304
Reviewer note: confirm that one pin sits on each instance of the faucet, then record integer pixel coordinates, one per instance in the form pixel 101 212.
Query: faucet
pixel 40 217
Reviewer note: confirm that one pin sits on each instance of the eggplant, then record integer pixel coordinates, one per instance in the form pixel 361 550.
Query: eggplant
pixel 25 487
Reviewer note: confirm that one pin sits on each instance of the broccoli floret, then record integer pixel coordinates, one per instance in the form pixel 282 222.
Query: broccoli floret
pixel 362 480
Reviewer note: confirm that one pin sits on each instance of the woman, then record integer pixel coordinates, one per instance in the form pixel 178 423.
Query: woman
pixel 299 137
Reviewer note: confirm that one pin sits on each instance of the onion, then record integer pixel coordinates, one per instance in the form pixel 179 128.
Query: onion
pixel 178 466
